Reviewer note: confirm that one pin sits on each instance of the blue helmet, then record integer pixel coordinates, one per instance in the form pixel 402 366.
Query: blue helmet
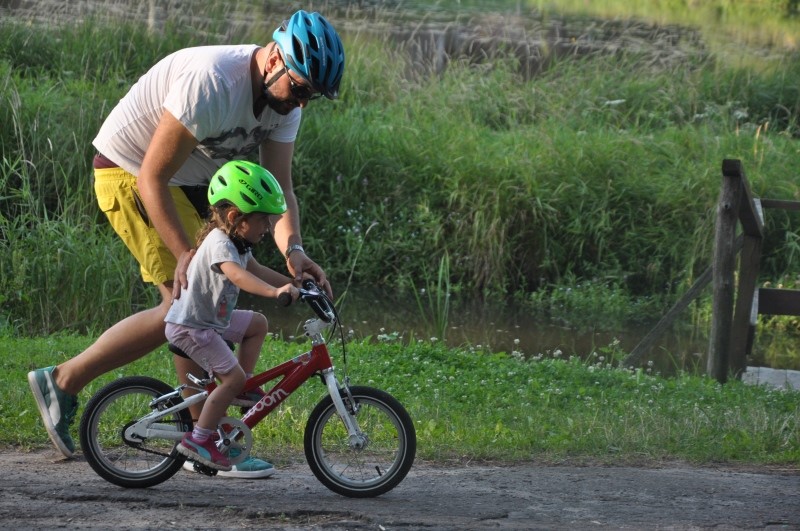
pixel 313 49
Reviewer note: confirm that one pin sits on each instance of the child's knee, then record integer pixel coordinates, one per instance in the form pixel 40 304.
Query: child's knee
pixel 234 379
pixel 258 325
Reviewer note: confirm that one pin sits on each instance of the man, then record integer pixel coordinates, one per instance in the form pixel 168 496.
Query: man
pixel 193 111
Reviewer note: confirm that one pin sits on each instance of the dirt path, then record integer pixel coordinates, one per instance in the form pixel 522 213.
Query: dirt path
pixel 39 490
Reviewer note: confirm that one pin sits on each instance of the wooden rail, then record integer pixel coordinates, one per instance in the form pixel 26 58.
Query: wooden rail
pixel 735 308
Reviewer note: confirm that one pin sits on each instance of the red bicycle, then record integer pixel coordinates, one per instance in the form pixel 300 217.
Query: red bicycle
pixel 359 441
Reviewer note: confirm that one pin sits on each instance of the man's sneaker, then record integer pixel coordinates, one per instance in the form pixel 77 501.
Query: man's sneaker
pixel 56 407
pixel 205 453
pixel 250 468
pixel 249 398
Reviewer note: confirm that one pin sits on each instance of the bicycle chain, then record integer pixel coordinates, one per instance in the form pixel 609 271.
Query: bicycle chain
pixel 139 446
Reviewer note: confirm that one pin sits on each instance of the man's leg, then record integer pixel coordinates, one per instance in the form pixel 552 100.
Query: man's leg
pixel 182 367
pixel 123 343
pixel 55 388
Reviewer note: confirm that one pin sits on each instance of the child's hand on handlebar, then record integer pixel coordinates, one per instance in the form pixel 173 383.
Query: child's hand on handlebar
pixel 287 294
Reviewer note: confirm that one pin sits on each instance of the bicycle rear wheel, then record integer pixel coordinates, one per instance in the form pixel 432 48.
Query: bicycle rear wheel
pixel 112 409
pixel 374 469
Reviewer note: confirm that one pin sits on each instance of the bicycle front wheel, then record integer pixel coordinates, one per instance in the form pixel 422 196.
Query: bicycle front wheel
pixel 126 463
pixel 380 464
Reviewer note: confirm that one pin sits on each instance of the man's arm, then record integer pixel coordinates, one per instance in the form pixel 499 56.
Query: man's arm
pixel 169 148
pixel 277 158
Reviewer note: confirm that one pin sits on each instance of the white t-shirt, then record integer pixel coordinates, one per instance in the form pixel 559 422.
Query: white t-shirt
pixel 210 299
pixel 209 90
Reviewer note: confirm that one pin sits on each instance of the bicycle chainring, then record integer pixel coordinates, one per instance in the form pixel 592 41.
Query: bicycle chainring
pixel 235 439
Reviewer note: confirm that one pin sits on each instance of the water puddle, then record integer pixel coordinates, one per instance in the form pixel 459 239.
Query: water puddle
pixel 493 327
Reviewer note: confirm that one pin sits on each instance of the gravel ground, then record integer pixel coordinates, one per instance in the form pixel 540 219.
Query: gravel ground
pixel 42 491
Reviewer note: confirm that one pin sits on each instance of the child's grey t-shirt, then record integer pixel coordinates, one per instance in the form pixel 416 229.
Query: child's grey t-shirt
pixel 210 298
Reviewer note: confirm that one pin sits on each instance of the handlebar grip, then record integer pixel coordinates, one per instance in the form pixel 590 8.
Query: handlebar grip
pixel 284 299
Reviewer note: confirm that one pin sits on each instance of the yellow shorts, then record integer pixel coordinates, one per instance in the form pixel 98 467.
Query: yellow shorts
pixel 117 197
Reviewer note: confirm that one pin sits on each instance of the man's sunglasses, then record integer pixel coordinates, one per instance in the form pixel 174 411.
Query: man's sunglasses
pixel 301 92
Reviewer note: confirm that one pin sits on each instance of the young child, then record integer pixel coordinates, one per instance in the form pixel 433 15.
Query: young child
pixel 242 196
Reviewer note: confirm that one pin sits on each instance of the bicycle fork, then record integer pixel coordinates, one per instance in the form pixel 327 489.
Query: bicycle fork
pixel 358 440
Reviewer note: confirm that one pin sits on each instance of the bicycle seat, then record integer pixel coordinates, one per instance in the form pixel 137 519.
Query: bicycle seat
pixel 175 349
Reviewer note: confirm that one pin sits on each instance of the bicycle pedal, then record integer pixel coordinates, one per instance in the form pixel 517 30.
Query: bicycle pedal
pixel 205 470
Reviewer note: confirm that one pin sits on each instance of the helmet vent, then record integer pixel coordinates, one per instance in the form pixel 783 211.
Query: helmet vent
pixel 248 199
pixel 298 51
pixel 265 186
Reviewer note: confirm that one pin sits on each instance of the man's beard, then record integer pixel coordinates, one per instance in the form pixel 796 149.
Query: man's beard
pixel 280 106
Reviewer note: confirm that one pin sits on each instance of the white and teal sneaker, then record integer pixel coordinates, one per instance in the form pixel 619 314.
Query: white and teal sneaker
pixel 56 407
pixel 250 468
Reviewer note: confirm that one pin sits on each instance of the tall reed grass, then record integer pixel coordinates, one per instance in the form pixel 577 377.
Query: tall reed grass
pixel 601 169
pixel 433 299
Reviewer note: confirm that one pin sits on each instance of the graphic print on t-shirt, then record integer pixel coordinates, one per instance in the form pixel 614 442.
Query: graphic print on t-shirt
pixel 234 144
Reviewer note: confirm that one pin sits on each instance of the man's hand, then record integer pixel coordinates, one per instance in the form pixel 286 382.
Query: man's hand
pixel 181 278
pixel 300 264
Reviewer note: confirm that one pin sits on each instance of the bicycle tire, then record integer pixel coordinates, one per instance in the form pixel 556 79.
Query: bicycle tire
pixel 104 420
pixel 373 470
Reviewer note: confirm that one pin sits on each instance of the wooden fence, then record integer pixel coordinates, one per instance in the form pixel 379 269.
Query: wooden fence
pixel 735 306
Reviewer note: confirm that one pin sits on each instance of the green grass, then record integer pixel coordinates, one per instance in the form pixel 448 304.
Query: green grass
pixel 469 404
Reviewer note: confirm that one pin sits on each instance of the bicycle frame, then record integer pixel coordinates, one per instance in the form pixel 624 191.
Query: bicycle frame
pixel 295 372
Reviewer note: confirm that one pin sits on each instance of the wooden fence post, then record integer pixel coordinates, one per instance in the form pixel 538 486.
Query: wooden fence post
pixel 752 219
pixel 741 331
pixel 732 328
pixel 723 266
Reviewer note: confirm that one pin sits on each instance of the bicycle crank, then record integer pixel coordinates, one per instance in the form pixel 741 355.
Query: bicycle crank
pixel 235 439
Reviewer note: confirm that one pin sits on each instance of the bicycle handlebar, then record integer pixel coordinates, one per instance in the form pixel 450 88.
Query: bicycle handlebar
pixel 312 295
pixel 284 299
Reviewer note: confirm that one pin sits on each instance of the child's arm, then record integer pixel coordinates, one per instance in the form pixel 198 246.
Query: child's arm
pixel 267 274
pixel 249 282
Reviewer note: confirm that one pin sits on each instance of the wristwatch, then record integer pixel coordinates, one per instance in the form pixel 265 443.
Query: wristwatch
pixel 294 247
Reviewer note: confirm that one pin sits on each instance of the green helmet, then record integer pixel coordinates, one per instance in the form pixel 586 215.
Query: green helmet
pixel 247 186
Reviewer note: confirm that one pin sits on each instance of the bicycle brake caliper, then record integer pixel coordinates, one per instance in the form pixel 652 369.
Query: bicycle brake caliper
pixel 351 404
